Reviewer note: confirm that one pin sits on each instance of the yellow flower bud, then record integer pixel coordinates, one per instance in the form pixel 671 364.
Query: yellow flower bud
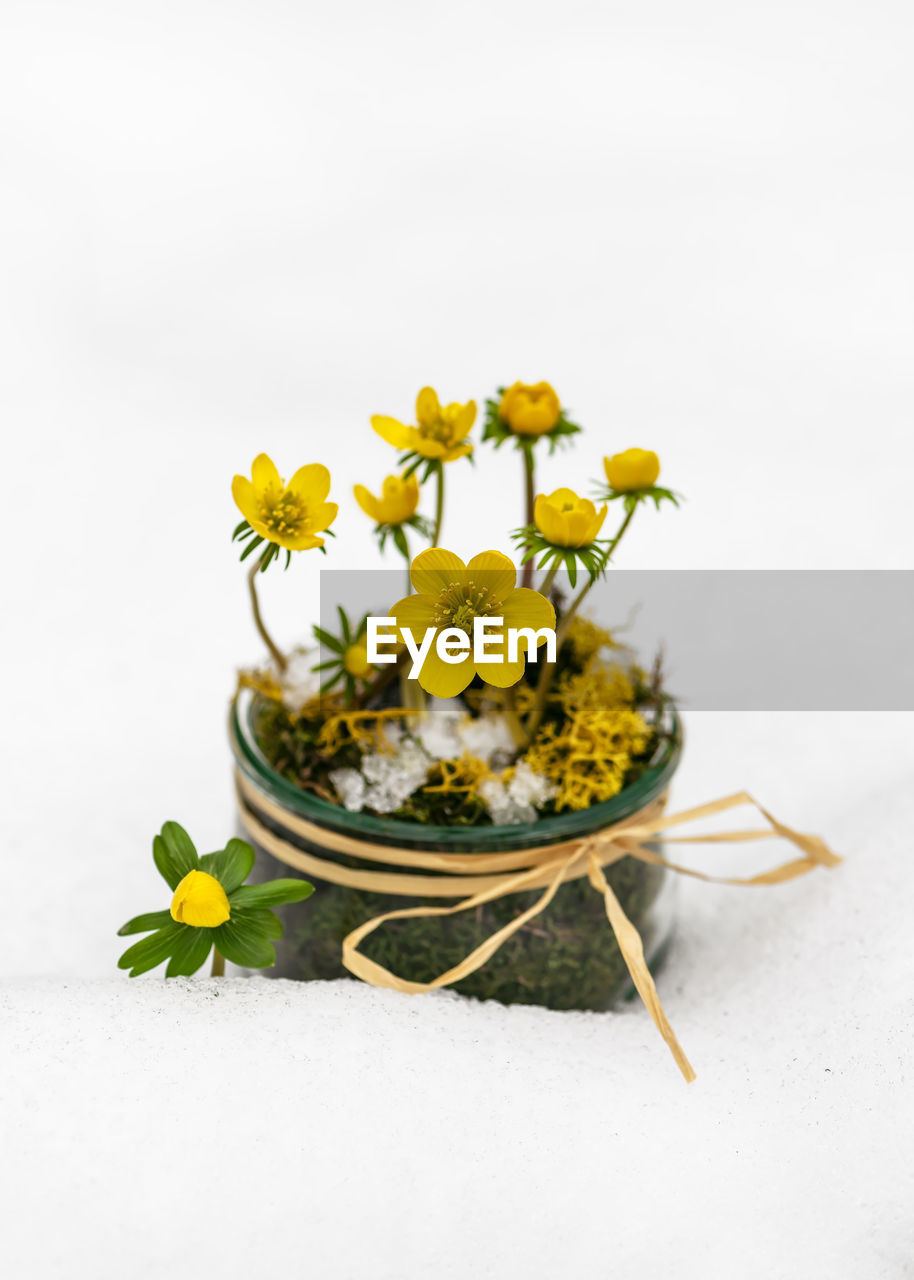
pixel 356 660
pixel 397 503
pixel 530 410
pixel 566 520
pixel 633 469
pixel 200 901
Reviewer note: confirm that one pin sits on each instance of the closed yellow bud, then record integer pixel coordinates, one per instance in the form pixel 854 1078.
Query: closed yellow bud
pixel 633 469
pixel 530 410
pixel 356 660
pixel 200 901
pixel 566 520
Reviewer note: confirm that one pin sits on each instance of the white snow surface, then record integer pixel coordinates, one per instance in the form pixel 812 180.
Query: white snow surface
pixel 235 228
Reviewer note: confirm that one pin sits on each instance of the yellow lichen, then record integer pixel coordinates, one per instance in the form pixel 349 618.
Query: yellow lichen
pixel 364 728
pixel 463 774
pixel 589 755
pixel 586 639
pixel 599 686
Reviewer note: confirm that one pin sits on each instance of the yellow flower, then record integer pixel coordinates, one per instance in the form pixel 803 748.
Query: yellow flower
pixel 291 515
pixel 440 432
pixel 200 901
pixel 453 594
pixel 355 660
pixel 397 503
pixel 530 410
pixel 633 469
pixel 566 520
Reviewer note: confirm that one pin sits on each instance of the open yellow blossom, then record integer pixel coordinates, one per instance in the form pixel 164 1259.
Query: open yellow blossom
pixel 633 469
pixel 566 520
pixel 355 660
pixel 200 901
pixel 291 515
pixel 450 593
pixel 441 430
pixel 397 503
pixel 530 410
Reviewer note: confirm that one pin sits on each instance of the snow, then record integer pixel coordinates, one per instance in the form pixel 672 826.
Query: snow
pixel 235 228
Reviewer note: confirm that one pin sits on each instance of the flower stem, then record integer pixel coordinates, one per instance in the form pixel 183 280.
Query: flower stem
pixel 548 672
pixel 521 739
pixel 550 578
pixel 275 653
pixel 218 969
pixel 529 498
pixel 439 504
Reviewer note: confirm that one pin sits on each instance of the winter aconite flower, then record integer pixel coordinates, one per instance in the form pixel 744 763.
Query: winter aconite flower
pixel 440 432
pixel 451 594
pixel 355 660
pixel 211 907
pixel 525 413
pixel 530 410
pixel 200 900
pixel 289 515
pixel 566 520
pixel 633 469
pixel 397 503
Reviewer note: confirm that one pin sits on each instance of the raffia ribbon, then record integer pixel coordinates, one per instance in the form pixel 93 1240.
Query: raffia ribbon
pixel 477 878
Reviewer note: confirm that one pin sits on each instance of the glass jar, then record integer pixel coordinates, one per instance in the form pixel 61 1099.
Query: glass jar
pixel 564 958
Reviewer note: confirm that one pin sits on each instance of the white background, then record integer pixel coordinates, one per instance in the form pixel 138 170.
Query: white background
pixel 233 227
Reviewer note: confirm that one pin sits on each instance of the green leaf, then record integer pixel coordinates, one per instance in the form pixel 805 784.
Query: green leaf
pixel 327 640
pixel 252 545
pixel 231 866
pixel 240 528
pixel 344 625
pixel 142 924
pixel 400 542
pixel 174 854
pixel 190 952
pixel 152 950
pixel 245 939
pixel 271 894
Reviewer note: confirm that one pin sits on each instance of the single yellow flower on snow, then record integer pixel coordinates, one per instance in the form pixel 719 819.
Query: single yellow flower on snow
pixel 397 503
pixel 291 515
pixel 200 901
pixel 355 660
pixel 530 410
pixel 633 469
pixel 566 520
pixel 440 432
pixel 450 593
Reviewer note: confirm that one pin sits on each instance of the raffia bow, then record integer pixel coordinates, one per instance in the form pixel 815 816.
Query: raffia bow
pixel 477 878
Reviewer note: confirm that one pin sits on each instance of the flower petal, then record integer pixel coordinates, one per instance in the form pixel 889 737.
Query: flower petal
pixel 415 612
pixel 264 473
pixel 435 569
pixel 367 501
pixel 323 516
pixel 494 571
pixel 312 482
pixel 394 432
pixel 463 422
pixel 451 455
pixel 527 608
pixel 428 407
pixel 446 679
pixel 501 675
pixel 429 448
pixel 549 521
pixel 245 498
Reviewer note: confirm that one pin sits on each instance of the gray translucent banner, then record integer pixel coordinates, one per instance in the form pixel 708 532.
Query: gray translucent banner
pixel 755 640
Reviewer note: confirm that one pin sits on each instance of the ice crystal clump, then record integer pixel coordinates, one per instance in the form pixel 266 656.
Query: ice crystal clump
pixel 298 682
pixel 385 780
pixel 516 801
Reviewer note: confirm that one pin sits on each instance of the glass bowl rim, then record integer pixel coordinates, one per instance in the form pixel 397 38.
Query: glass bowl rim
pixel 255 766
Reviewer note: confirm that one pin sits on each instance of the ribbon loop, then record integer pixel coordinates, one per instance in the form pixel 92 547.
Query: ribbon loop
pixel 546 867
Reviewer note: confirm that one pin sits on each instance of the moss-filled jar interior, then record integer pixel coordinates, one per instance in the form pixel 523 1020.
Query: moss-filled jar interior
pixel 564 958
